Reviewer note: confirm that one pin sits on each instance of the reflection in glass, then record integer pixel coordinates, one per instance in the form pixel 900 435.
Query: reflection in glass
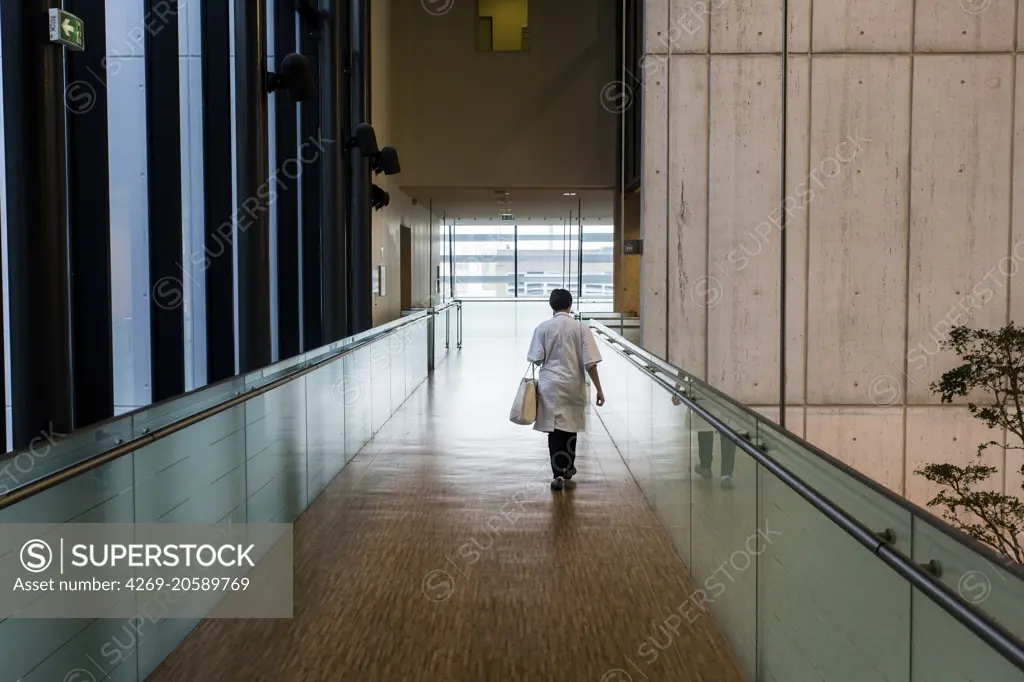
pixel 503 26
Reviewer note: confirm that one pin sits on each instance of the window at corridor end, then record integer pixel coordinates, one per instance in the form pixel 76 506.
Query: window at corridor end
pixel 503 26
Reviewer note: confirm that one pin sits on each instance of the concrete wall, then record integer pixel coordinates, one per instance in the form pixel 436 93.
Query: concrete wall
pixel 901 221
pixel 464 118
pixel 387 222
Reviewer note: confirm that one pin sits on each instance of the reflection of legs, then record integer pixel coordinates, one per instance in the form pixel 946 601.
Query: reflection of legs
pixel 705 446
pixel 728 456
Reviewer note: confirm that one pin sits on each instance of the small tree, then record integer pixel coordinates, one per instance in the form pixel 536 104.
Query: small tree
pixel 993 362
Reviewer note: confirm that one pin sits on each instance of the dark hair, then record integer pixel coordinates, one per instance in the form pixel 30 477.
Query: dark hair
pixel 560 299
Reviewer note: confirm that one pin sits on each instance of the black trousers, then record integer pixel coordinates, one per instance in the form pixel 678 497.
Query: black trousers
pixel 562 448
pixel 705 446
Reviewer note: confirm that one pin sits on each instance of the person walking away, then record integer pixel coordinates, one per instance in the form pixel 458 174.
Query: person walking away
pixel 565 350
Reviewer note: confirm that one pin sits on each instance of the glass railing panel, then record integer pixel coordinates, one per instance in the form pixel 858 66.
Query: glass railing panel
pixel 152 418
pixel 743 421
pixel 325 426
pixel 396 365
pixel 640 422
pixel 275 452
pixel 441 322
pixel 872 507
pixel 419 358
pixel 358 400
pixel 48 649
pixel 380 368
pixel 672 461
pixel 828 608
pixel 282 368
pixel 723 526
pixel 245 463
pixel 946 651
pixel 51 451
pixel 194 476
pixel 412 351
pixel 614 371
pixel 991 583
pixel 100 649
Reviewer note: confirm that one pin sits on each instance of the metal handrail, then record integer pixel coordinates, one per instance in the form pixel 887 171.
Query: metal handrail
pixel 989 631
pixel 56 478
pixel 444 306
pixel 988 553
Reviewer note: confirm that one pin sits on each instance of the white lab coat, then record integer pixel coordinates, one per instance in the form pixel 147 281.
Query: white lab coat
pixel 563 347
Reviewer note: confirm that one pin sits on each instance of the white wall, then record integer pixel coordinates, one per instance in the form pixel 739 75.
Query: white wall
pixel 504 119
pixel 888 244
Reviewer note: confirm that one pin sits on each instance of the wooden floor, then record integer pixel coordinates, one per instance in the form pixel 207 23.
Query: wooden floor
pixel 441 554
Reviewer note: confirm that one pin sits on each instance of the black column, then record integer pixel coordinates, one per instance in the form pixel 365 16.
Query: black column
pixel 451 261
pixel 163 142
pixel 218 257
pixel 312 296
pixel 515 259
pixel 37 235
pixel 359 227
pixel 287 204
pixel 92 356
pixel 252 228
pixel 579 253
pixel 334 179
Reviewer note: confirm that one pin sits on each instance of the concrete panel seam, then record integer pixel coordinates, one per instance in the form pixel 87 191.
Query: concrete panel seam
pixel 707 203
pixel 906 276
pixel 807 229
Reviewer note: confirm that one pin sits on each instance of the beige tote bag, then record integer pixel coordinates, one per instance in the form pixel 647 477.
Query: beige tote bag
pixel 524 409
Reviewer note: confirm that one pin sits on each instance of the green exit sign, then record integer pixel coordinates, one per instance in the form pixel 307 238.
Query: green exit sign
pixel 66 29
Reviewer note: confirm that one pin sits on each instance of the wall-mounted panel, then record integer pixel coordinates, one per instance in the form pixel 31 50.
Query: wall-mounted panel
pixel 688 31
pixel 964 26
pixel 687 210
pixel 869 440
pixel 960 203
pixel 856 196
pixel 746 26
pixel 1016 249
pixel 936 435
pixel 656 21
pixel 744 240
pixel 858 26
pixel 794 417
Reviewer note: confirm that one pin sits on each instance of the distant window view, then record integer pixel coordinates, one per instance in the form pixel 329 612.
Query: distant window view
pixel 503 26
pixel 491 261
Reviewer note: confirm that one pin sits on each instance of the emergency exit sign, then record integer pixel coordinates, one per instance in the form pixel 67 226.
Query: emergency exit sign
pixel 66 29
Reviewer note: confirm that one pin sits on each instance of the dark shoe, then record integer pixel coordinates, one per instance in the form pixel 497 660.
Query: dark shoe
pixel 558 483
pixel 727 483
pixel 704 472
pixel 570 473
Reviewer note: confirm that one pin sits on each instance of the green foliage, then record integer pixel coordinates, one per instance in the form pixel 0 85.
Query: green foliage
pixel 992 363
